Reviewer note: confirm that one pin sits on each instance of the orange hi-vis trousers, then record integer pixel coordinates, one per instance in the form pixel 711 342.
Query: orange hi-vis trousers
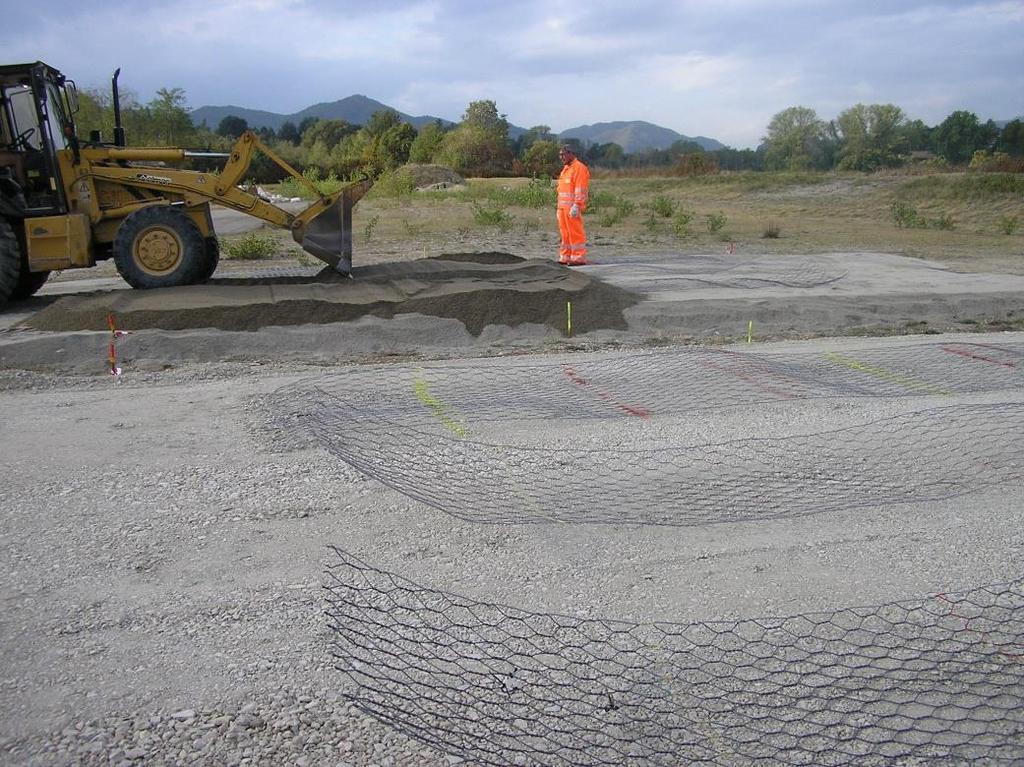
pixel 574 240
pixel 573 189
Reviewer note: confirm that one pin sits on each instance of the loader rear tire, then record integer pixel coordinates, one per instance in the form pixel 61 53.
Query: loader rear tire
pixel 10 262
pixel 159 247
pixel 29 283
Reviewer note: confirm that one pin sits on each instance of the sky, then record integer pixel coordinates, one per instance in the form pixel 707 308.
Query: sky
pixel 719 69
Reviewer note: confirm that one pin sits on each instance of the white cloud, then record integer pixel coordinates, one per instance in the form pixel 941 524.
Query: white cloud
pixel 719 69
pixel 686 72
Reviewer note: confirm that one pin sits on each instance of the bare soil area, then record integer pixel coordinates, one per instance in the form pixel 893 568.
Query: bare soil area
pixel 166 531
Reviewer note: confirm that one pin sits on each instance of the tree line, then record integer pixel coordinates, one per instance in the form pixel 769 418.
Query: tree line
pixel 871 136
pixel 863 137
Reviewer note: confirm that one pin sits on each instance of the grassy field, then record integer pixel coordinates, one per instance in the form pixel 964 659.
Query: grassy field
pixel 967 221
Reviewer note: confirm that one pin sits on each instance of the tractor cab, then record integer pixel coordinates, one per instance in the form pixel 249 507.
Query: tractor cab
pixel 36 104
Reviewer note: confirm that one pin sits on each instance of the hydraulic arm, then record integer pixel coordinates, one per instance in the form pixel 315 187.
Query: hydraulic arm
pixel 324 229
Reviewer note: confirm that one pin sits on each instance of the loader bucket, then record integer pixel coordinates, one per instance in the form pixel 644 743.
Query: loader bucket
pixel 324 229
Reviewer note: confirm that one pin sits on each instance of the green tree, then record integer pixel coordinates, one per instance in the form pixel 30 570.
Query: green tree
pixel 232 126
pixel 532 135
pixel 94 113
pixel 387 141
pixel 305 124
pixel 738 159
pixel 381 122
pixel 959 136
pixel 870 137
pixel 1011 139
pixel 795 140
pixel 472 151
pixel 917 136
pixel 611 156
pixel 479 145
pixel 329 133
pixel 427 142
pixel 541 158
pixel 289 133
pixel 171 124
pixel 484 115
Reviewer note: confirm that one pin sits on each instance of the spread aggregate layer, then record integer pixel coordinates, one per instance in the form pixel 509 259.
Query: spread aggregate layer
pixel 489 289
pixel 807 552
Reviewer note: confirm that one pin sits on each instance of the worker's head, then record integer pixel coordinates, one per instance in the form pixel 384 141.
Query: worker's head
pixel 566 154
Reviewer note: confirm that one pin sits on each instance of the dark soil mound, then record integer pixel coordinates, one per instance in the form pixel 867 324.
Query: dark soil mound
pixel 493 289
pixel 495 257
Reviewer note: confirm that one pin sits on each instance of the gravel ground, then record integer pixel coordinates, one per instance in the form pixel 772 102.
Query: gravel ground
pixel 161 579
pixel 165 536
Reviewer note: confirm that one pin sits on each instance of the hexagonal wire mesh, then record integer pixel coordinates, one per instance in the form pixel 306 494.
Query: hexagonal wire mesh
pixel 414 431
pixel 935 679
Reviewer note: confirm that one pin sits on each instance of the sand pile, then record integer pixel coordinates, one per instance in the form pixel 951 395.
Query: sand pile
pixel 478 289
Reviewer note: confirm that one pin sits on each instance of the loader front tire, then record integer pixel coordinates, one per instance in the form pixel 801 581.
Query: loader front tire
pixel 212 259
pixel 159 247
pixel 10 262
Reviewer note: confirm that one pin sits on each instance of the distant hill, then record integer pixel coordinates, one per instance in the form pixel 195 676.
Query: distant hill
pixel 635 136
pixel 354 109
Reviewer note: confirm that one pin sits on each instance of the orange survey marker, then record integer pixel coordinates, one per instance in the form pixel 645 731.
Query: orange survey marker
pixel 112 348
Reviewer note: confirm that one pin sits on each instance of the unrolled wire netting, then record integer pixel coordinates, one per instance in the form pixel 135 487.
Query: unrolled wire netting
pixel 918 456
pixel 429 432
pixel 661 383
pixel 934 681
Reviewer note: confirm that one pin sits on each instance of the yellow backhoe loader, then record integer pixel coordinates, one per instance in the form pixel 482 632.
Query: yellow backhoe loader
pixel 67 203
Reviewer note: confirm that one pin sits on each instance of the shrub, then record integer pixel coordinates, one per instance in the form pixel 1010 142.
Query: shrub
pixel 696 164
pixel 663 206
pixel 772 231
pixel 905 215
pixel 292 187
pixel 681 222
pixel 600 200
pixel 370 226
pixel 996 162
pixel 944 221
pixel 620 211
pixel 536 194
pixel 1008 224
pixel 987 186
pixel 395 183
pixel 492 216
pixel 716 222
pixel 251 247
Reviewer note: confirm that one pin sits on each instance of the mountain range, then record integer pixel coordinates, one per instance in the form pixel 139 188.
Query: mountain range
pixel 355 109
pixel 633 136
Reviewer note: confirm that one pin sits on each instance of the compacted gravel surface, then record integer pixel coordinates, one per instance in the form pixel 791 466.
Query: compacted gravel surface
pixel 165 535
pixel 161 579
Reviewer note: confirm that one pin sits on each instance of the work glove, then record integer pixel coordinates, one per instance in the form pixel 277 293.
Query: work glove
pixel 574 211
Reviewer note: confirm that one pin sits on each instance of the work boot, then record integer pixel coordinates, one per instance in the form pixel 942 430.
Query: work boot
pixel 563 260
pixel 578 261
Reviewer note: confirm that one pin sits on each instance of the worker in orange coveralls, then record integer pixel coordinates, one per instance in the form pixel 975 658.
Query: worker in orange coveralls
pixel 573 191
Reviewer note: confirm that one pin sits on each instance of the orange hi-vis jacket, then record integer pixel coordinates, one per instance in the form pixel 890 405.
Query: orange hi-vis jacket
pixel 574 185
pixel 573 189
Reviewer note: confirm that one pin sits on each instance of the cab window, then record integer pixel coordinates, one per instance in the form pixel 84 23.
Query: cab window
pixel 24 119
